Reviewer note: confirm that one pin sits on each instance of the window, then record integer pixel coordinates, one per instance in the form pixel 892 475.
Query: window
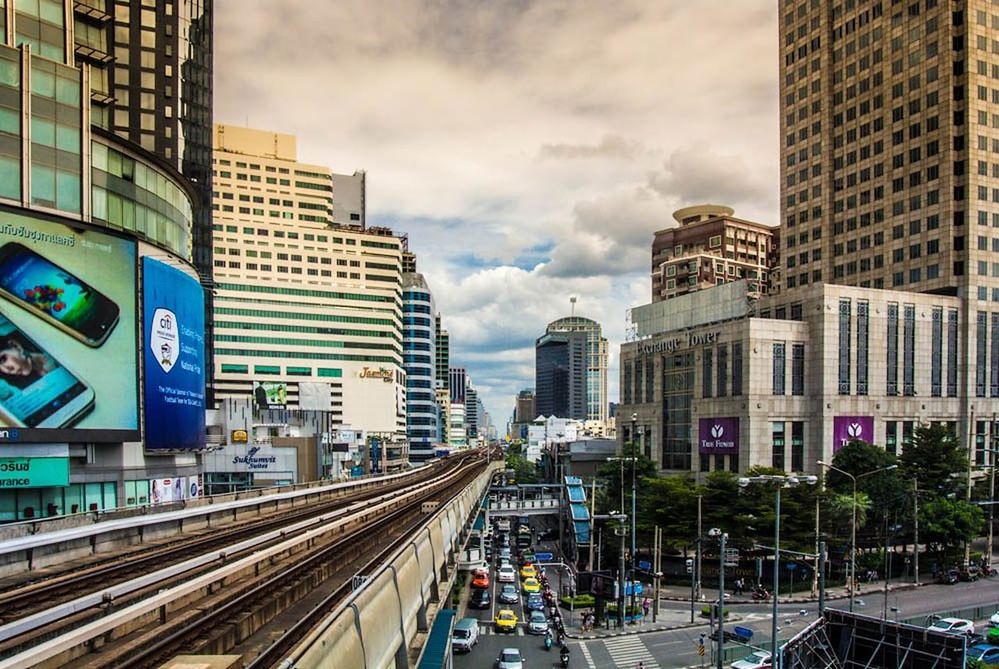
pixel 797 446
pixel 952 353
pixel 981 359
pixel 722 370
pixel 863 330
pixel 707 372
pixel 909 350
pixel 777 444
pixel 736 369
pixel 779 368
pixel 626 383
pixel 892 350
pixel 994 362
pixel 797 369
pixel 844 346
pixel 891 437
pixel 936 353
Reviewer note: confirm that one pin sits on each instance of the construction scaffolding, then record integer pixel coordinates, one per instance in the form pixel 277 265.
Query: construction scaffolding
pixel 842 640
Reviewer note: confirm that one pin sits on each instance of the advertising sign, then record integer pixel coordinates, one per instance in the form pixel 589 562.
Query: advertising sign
pixel 33 472
pixel 848 428
pixel 270 394
pixel 164 491
pixel 174 352
pixel 68 368
pixel 718 435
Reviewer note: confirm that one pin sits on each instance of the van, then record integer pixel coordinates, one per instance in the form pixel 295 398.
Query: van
pixel 465 635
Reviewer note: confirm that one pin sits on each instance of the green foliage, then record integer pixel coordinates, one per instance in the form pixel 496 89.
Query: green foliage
pixel 579 601
pixel 935 459
pixel 524 470
pixel 614 471
pixel 949 522
pixel 706 612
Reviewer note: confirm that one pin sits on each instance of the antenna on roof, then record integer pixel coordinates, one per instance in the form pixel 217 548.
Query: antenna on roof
pixel 572 302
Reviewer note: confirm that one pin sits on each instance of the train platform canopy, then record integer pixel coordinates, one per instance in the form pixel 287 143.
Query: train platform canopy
pixel 437 650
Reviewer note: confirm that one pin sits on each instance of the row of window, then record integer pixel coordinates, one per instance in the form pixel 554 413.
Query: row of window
pixel 270 370
pixel 305 355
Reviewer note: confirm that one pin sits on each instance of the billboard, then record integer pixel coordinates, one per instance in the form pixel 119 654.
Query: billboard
pixel 68 362
pixel 718 435
pixel 848 428
pixel 33 472
pixel 173 310
pixel 270 394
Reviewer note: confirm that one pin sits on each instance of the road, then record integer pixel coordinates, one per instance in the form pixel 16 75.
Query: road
pixel 678 648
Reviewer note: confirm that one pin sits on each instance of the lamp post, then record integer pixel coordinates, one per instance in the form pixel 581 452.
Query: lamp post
pixel 853 525
pixel 722 537
pixel 781 482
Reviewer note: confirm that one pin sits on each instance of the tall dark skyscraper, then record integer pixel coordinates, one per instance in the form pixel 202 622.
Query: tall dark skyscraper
pixel 571 370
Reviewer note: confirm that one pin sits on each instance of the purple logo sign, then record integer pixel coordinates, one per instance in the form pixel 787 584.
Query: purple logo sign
pixel 848 428
pixel 718 435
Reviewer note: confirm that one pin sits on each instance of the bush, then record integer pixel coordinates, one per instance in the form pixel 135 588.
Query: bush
pixel 582 601
pixel 629 610
pixel 706 612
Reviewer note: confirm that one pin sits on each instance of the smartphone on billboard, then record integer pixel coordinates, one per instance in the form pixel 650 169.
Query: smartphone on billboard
pixel 36 390
pixel 44 288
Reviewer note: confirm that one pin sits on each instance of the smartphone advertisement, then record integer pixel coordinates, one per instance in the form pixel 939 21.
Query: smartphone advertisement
pixel 173 308
pixel 68 368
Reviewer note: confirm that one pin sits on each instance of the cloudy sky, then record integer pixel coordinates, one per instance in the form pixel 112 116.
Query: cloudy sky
pixel 529 149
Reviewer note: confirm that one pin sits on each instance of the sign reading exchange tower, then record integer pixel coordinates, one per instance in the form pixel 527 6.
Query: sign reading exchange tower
pixel 718 435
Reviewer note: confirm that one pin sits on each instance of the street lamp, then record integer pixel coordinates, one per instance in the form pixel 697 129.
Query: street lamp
pixel 781 482
pixel 722 537
pixel 853 525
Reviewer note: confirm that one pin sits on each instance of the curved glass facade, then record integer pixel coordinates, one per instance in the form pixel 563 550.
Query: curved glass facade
pixel 134 196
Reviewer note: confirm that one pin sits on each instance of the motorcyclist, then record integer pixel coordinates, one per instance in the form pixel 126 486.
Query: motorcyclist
pixel 548 640
pixel 564 655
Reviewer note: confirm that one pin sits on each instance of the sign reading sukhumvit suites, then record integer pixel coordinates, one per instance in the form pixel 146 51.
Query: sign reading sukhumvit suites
pixel 848 428
pixel 174 319
pixel 718 435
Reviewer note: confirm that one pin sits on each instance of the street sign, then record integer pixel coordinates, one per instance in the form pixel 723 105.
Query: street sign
pixel 791 566
pixel 644 564
pixel 543 557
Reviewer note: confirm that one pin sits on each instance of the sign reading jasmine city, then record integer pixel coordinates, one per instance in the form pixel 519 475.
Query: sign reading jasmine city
pixel 718 435
pixel 848 428
pixel 174 318
pixel 68 363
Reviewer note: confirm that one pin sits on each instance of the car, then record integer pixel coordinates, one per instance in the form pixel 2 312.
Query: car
pixel 985 653
pixel 480 578
pixel 465 635
pixel 480 599
pixel 505 621
pixel 953 626
pixel 528 571
pixel 508 594
pixel 535 602
pixel 504 553
pixel 531 585
pixel 537 623
pixel 759 659
pixel 506 574
pixel 509 658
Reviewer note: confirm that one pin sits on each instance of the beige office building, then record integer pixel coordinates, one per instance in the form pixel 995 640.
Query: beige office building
pixel 308 304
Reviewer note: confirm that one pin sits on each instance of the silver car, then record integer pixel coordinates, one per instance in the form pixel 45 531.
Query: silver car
pixel 537 623
pixel 509 658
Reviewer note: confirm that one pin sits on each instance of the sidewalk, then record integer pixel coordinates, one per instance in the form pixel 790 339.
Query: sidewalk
pixel 665 620
pixel 675 593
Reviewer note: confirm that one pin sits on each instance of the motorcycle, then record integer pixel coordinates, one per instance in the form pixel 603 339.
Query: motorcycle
pixel 564 657
pixel 548 641
pixel 760 594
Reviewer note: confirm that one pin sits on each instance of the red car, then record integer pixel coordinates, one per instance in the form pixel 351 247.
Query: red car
pixel 480 578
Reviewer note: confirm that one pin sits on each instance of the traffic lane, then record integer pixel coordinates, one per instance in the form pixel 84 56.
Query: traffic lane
pixel 531 648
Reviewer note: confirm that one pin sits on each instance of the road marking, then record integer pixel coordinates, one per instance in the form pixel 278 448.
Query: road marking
pixel 586 655
pixel 626 652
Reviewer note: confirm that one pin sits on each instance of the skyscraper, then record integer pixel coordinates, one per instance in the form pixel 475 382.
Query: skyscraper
pixel 304 303
pixel 457 384
pixel 571 370
pixel 443 356
pixel 418 345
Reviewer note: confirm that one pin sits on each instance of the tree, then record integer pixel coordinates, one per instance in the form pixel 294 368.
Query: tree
pixel 935 459
pixel 671 503
pixel 524 471
pixel 949 522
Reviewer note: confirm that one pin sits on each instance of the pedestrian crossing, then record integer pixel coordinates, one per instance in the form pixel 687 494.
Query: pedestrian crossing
pixel 587 656
pixel 489 629
pixel 627 651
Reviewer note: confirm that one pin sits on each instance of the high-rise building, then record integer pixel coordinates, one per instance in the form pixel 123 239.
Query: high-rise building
pixel 456 384
pixel 443 356
pixel 888 151
pixel 418 345
pixel 308 312
pixel 711 247
pixel 472 406
pixel 526 409
pixel 97 184
pixel 571 370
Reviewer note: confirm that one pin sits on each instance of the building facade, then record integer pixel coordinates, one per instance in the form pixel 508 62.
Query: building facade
pixel 99 226
pixel 442 358
pixel 788 381
pixel 571 370
pixel 457 383
pixel 308 312
pixel 711 247
pixel 419 348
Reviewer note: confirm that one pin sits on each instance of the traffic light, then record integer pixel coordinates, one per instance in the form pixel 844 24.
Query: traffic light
pixel 690 566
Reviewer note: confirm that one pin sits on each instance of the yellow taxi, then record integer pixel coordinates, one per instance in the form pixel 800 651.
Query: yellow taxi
pixel 506 621
pixel 528 571
pixel 530 585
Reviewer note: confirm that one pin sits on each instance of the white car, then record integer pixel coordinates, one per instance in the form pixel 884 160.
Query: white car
pixel 953 626
pixel 755 660
pixel 509 658
pixel 506 574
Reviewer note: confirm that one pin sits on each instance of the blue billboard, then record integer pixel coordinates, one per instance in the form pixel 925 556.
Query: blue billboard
pixel 174 352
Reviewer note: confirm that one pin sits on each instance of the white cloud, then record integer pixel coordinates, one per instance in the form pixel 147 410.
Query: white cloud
pixel 492 129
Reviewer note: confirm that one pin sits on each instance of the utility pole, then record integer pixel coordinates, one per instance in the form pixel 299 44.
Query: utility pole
pixel 822 577
pixel 697 565
pixel 972 434
pixel 774 653
pixel 656 566
pixel 593 494
pixel 634 515
pixel 992 485
pixel 620 599
pixel 721 601
pixel 815 570
pixel 915 530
